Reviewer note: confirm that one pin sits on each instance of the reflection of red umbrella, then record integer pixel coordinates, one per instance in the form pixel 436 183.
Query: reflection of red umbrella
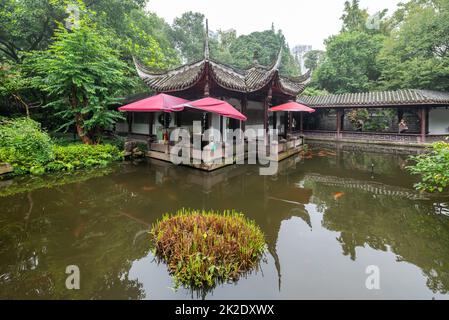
pixel 215 106
pixel 292 107
pixel 158 103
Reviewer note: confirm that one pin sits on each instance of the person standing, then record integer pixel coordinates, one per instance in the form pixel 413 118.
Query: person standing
pixel 403 126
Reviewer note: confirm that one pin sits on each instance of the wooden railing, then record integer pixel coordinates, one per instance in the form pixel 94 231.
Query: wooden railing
pixel 365 136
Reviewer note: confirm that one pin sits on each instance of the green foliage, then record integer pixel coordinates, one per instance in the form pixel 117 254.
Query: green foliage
pixel 312 91
pixel 24 145
pixel 354 18
pixel 313 59
pixel 30 150
pixel 188 35
pixel 371 120
pixel 30 26
pixel 201 247
pixel 78 156
pixel 27 25
pixel 408 50
pixel 84 76
pixel 29 183
pixel 266 45
pixel 416 55
pixel 149 37
pixel 225 46
pixel 13 85
pixel 350 62
pixel 433 168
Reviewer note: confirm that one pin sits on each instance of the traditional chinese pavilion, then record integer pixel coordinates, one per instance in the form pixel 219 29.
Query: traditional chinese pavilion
pixel 251 91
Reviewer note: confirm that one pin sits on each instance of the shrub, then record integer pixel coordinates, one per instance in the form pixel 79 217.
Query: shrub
pixel 24 145
pixel 77 156
pixel 27 148
pixel 433 168
pixel 202 247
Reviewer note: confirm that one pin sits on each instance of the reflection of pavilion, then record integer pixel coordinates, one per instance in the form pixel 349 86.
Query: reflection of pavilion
pixel 373 187
pixel 269 205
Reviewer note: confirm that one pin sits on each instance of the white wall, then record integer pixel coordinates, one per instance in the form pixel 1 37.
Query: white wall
pixel 439 121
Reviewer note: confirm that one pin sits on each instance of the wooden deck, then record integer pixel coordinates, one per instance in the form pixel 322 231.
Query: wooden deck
pixel 286 149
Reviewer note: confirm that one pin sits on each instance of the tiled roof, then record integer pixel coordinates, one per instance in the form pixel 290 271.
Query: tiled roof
pixel 406 97
pixel 250 80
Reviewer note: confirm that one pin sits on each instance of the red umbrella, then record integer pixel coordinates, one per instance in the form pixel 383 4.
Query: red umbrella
pixel 215 106
pixel 292 107
pixel 161 102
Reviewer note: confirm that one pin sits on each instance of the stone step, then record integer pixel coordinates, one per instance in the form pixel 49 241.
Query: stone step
pixel 6 168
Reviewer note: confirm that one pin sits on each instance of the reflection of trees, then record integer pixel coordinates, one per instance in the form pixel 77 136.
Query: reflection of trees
pixel 100 224
pixel 410 229
pixel 73 227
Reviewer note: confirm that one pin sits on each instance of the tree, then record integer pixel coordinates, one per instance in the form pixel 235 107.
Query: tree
pixel 188 35
pixel 13 85
pixel 433 167
pixel 416 55
pixel 313 58
pixel 266 45
pixel 147 37
pixel 83 76
pixel 350 63
pixel 27 25
pixel 354 18
pixel 30 26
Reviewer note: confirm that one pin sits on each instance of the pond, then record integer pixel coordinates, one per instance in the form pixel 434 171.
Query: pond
pixel 327 218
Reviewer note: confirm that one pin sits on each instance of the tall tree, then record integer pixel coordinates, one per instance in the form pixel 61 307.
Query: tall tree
pixel 416 55
pixel 266 45
pixel 313 59
pixel 188 35
pixel 350 63
pixel 83 75
pixel 354 18
pixel 27 25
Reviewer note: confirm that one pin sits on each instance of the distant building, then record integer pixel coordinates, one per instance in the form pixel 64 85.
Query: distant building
pixel 299 52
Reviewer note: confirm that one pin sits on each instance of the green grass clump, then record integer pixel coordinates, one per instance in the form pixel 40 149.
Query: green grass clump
pixel 203 247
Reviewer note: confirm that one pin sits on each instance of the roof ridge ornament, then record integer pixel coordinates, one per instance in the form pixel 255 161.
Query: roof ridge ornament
pixel 206 42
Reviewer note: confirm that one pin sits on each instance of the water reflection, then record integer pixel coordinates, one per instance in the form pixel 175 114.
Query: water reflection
pixel 325 219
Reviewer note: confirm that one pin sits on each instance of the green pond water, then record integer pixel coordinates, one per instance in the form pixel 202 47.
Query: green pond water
pixel 326 220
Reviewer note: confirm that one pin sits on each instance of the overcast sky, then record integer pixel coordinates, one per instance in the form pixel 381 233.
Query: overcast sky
pixel 302 21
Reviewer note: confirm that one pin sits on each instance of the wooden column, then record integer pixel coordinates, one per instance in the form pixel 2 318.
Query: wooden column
pixel 244 103
pixel 150 123
pixel 285 124
pixel 423 123
pixel 289 119
pixel 266 106
pixel 301 122
pixel 130 122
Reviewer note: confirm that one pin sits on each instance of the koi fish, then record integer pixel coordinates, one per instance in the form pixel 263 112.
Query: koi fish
pixel 338 195
pixel 78 230
pixel 148 188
